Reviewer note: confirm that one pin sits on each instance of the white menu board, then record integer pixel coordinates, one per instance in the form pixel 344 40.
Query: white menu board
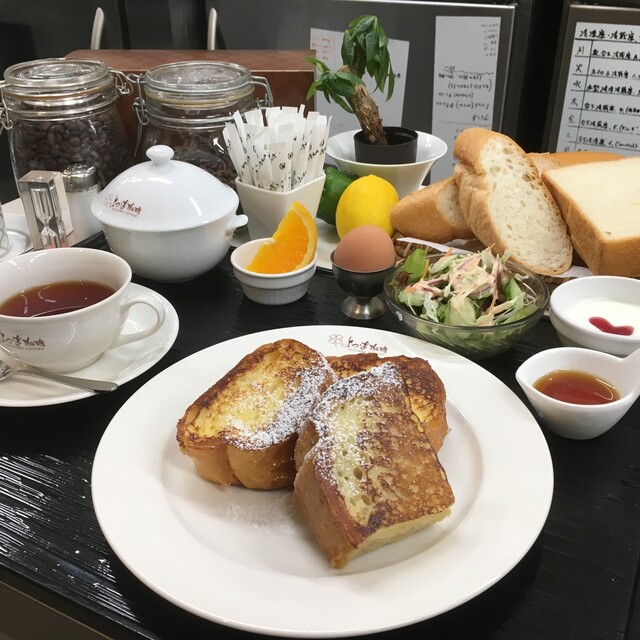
pixel 327 45
pixel 601 108
pixel 464 79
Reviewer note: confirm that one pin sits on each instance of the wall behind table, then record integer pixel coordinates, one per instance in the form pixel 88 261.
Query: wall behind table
pixel 524 73
pixel 37 29
pixel 16 45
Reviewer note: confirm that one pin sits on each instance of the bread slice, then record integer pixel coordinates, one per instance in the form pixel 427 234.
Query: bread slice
pixel 506 204
pixel 426 391
pixel 242 431
pixel 431 213
pixel 600 203
pixel 553 160
pixel 371 476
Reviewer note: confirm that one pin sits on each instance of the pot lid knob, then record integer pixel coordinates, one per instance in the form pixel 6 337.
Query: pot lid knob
pixel 159 154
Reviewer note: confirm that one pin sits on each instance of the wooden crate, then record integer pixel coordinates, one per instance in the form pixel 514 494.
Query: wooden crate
pixel 289 73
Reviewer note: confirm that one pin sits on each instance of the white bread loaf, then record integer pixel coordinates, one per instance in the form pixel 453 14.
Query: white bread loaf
pixel 553 160
pixel 432 213
pixel 506 204
pixel 600 203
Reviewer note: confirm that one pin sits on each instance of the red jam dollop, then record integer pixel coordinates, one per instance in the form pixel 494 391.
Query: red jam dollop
pixel 606 327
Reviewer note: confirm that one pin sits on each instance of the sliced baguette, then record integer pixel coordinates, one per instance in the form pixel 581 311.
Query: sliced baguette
pixel 600 203
pixel 432 213
pixel 506 204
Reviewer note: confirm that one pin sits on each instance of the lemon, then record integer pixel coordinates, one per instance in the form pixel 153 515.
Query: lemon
pixel 366 200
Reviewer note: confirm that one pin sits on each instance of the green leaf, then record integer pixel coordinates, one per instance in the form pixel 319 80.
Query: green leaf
pixel 414 264
pixel 430 310
pixel 511 289
pixel 411 299
pixel 460 312
pixel 321 66
pixel 365 49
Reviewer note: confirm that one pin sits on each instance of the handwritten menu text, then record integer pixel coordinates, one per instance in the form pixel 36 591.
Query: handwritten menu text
pixel 601 109
pixel 465 60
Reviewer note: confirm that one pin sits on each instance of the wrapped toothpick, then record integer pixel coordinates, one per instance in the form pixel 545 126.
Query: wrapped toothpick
pixel 277 149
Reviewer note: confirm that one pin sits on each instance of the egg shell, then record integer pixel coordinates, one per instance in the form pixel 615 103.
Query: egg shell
pixel 365 249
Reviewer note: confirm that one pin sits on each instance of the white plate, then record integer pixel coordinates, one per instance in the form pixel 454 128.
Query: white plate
pixel 18 232
pixel 244 559
pixel 117 365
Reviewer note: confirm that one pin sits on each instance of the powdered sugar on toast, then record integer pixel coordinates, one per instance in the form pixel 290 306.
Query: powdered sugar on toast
pixel 303 391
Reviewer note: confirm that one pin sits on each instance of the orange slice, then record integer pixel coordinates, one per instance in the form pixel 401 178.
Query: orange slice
pixel 291 247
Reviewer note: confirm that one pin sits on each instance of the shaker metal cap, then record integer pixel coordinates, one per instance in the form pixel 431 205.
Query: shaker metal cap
pixel 79 177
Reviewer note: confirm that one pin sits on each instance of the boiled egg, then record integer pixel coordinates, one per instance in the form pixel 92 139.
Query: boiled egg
pixel 365 249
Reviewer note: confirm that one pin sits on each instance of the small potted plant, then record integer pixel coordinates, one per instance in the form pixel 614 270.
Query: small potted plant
pixel 365 50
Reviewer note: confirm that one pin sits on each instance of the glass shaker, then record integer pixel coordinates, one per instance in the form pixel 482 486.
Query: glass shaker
pixel 81 185
pixel 185 105
pixel 60 112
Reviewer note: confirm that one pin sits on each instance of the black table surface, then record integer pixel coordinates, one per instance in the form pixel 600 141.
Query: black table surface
pixel 579 579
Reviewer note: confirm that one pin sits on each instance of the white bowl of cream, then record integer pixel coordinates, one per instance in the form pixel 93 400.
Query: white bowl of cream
pixel 598 312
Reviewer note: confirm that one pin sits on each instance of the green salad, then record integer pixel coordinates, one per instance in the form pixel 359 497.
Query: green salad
pixel 476 289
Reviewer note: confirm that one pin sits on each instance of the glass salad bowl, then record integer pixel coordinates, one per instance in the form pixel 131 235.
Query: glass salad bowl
pixel 478 305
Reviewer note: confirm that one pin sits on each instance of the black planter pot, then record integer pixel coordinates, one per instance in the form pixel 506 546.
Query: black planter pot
pixel 401 148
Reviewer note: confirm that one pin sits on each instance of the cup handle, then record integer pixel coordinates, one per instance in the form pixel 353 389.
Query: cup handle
pixel 150 301
pixel 237 221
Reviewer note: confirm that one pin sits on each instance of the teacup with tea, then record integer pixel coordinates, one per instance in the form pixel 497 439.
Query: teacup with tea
pixel 61 309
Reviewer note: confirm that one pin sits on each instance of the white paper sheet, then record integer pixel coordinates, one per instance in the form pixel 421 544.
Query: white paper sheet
pixel 464 79
pixel 601 111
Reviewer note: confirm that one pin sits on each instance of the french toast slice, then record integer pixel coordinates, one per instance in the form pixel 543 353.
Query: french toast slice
pixel 368 475
pixel 426 390
pixel 243 429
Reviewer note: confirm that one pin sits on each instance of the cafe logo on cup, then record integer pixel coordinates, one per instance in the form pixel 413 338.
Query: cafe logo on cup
pixel 19 342
pixel 348 342
pixel 122 205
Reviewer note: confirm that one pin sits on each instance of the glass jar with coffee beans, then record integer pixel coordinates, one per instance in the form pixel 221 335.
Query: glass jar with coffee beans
pixel 185 105
pixel 60 112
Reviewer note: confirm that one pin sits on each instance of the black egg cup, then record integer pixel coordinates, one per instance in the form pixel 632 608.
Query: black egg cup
pixel 364 288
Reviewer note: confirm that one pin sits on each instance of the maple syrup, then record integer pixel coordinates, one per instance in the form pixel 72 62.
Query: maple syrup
pixel 54 298
pixel 576 387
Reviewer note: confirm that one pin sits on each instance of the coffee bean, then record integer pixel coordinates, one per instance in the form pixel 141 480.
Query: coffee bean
pixel 52 145
pixel 203 148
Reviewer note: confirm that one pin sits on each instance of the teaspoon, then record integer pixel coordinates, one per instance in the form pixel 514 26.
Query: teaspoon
pixel 81 383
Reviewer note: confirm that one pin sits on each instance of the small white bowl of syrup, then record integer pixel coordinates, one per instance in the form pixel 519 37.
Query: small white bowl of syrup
pixel 598 312
pixel 580 393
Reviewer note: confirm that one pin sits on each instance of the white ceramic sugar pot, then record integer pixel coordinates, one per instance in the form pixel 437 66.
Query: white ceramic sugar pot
pixel 170 220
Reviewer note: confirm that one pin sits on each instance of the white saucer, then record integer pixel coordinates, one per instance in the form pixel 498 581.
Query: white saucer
pixel 117 365
pixel 19 237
